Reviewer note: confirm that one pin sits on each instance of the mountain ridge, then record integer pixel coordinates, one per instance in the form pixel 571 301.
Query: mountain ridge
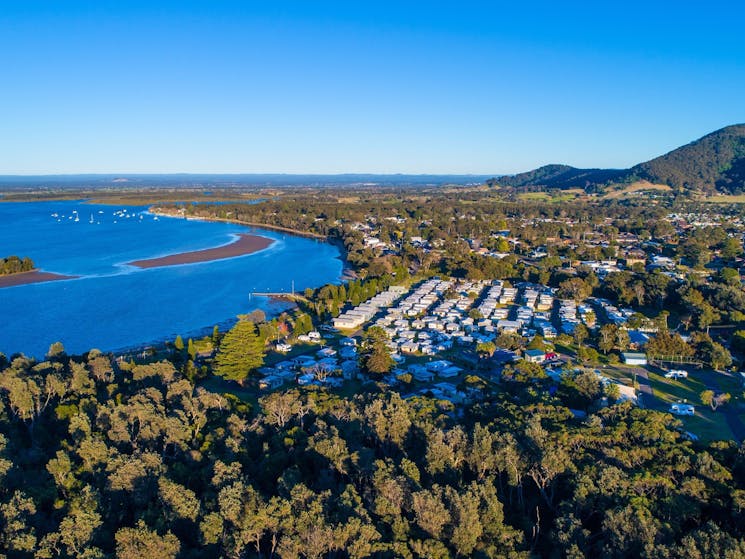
pixel 714 163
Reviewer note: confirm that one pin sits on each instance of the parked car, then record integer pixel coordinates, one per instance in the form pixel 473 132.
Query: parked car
pixel 682 409
pixel 676 374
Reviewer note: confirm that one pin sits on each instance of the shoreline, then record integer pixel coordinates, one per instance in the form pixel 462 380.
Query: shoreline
pixel 33 276
pixel 161 213
pixel 348 272
pixel 245 244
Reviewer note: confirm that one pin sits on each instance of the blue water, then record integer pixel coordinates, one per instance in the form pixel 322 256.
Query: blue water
pixel 112 305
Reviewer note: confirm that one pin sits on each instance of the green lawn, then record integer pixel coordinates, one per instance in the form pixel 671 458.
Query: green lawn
pixel 220 386
pixel 274 357
pixel 675 390
pixel 623 376
pixel 549 197
pixel 706 424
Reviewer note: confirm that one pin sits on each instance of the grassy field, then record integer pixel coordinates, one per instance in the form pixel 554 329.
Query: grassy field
pixel 274 357
pixel 675 390
pixel 706 424
pixel 725 199
pixel 219 386
pixel 561 196
pixel 636 187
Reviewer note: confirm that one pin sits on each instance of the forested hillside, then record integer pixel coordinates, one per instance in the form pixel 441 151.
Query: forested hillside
pixel 106 459
pixel 714 163
pixel 563 176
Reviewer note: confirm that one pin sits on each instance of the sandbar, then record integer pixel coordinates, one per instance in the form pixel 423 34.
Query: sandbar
pixel 245 244
pixel 34 276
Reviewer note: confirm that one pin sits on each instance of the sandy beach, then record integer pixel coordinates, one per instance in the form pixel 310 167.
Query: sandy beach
pixel 34 276
pixel 245 244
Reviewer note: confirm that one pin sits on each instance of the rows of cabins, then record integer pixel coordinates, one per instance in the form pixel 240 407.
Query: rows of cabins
pixel 357 316
pixel 426 322
pixel 613 314
pixel 571 315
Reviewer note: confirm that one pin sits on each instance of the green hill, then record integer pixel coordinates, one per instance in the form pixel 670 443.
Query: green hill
pixel 714 163
pixel 563 176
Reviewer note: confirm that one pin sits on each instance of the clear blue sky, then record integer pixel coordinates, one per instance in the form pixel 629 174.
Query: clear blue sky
pixel 356 86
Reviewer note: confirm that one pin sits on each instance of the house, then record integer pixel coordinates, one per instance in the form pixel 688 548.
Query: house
pixel 682 409
pixel 421 374
pixel 630 358
pixel 270 382
pixel 509 325
pixel 535 355
pixel 328 363
pixel 304 361
pixel 637 339
pixel 438 365
pixel 306 379
pixel 283 348
pixel 348 352
pixel 662 262
pixel 449 372
pixel 348 321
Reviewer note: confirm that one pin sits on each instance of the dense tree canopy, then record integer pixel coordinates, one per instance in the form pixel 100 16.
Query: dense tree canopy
pixel 241 351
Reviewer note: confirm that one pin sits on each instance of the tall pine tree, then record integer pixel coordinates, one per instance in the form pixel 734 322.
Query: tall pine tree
pixel 241 351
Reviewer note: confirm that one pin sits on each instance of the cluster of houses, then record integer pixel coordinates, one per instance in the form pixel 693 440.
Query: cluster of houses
pixel 326 367
pixel 601 267
pixel 571 314
pixel 613 314
pixel 357 316
pixel 427 322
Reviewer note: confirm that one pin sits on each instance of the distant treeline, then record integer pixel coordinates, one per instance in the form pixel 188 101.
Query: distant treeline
pixel 15 265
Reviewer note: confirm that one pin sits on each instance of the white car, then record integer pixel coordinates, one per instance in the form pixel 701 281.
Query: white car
pixel 676 374
pixel 682 409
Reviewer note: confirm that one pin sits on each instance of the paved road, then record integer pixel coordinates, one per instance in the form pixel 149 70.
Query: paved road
pixel 647 399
